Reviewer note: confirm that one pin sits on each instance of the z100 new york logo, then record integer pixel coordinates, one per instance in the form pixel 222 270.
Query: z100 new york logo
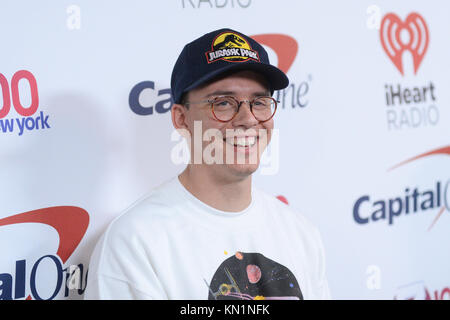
pixel 13 95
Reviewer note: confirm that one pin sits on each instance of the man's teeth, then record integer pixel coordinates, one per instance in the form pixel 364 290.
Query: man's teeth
pixel 244 141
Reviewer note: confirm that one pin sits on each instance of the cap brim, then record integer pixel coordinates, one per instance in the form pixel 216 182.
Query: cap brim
pixel 276 78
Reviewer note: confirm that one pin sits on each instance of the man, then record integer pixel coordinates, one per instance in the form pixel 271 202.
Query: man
pixel 207 234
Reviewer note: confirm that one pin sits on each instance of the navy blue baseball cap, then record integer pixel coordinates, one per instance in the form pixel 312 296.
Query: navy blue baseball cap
pixel 220 52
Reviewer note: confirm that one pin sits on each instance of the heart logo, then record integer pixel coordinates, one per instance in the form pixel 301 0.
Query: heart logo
pixel 397 36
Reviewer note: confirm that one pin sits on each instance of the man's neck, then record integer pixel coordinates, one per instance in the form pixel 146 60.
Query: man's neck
pixel 231 195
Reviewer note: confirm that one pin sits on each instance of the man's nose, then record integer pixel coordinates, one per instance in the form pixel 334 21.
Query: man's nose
pixel 245 117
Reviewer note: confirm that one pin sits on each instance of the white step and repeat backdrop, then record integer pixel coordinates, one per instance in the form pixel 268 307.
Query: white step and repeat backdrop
pixel 364 131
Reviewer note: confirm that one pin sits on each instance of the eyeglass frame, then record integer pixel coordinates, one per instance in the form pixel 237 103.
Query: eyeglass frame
pixel 239 103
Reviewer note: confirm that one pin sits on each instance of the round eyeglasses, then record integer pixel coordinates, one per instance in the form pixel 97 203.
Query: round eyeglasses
pixel 225 108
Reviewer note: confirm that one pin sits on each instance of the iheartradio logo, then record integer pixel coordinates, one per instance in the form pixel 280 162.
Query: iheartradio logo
pixel 397 36
pixel 413 105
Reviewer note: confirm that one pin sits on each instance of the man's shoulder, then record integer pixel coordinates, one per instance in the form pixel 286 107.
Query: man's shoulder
pixel 147 213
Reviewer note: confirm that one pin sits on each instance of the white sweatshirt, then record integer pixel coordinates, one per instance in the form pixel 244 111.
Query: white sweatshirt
pixel 170 245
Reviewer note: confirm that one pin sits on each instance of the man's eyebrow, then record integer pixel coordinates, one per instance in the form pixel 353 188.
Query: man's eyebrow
pixel 220 93
pixel 232 93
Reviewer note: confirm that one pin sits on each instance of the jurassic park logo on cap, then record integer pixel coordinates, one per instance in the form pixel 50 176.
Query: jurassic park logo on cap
pixel 230 46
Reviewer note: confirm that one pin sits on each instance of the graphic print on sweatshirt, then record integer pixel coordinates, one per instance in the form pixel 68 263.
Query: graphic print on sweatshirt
pixel 252 276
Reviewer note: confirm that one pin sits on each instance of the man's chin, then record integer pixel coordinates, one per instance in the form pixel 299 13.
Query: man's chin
pixel 242 170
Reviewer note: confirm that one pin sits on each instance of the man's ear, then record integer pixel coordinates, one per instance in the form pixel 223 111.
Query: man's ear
pixel 178 112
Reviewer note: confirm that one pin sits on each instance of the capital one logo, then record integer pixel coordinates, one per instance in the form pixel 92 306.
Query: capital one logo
pixel 71 224
pixel 411 201
pixel 398 36
pixel 285 48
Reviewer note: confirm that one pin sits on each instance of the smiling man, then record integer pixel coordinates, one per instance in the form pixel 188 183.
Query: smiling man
pixel 208 234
